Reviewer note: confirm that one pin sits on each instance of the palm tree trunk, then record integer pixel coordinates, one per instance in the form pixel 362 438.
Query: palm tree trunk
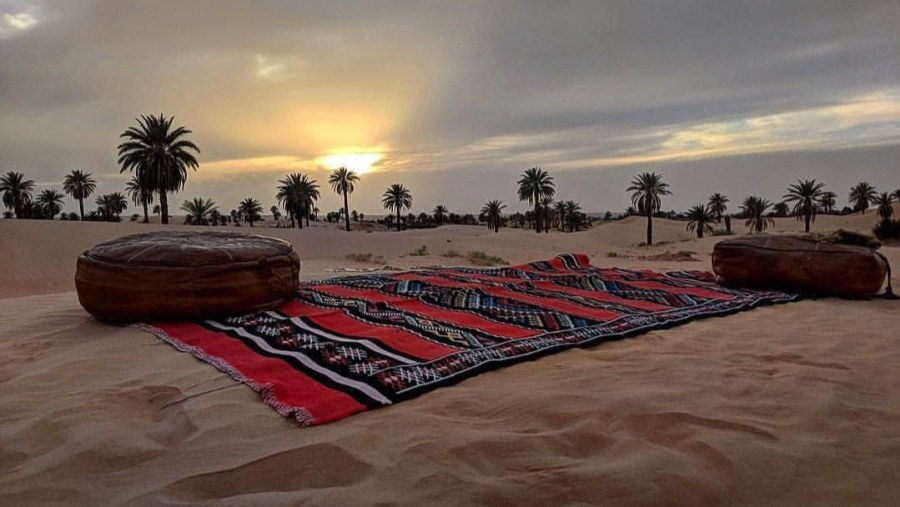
pixel 398 218
pixel 146 216
pixel 299 217
pixel 807 217
pixel 537 216
pixel 81 208
pixel 649 228
pixel 164 206
pixel 346 215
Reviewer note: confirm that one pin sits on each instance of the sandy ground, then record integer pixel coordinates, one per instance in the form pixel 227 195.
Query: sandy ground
pixel 796 404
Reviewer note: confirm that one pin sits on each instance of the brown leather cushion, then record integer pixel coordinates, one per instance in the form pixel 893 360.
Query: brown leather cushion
pixel 807 265
pixel 170 275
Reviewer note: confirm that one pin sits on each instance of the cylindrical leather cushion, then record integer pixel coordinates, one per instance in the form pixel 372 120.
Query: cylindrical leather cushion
pixel 172 275
pixel 781 262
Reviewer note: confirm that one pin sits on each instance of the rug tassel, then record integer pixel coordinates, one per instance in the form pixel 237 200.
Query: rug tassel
pixel 889 290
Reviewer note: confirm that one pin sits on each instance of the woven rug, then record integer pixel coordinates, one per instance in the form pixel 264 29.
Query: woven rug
pixel 354 343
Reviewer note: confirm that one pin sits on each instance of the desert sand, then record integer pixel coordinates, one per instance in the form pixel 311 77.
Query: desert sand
pixel 795 404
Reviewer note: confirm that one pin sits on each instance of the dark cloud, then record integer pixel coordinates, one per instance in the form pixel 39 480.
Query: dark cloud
pixel 716 94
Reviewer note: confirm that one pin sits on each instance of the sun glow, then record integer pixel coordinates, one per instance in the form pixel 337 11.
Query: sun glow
pixel 360 163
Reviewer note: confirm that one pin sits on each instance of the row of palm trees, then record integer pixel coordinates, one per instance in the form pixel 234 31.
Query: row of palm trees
pixel 536 186
pixel 297 193
pixel 808 199
pixel 158 155
pixel 17 197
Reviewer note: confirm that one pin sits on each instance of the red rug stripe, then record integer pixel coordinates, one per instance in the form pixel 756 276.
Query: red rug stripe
pixel 604 297
pixel 559 305
pixel 692 291
pixel 462 319
pixel 393 337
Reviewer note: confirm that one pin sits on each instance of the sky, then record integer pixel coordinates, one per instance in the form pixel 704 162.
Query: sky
pixel 456 99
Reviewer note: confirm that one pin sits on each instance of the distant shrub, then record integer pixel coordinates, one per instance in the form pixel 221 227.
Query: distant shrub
pixel 419 252
pixel 722 232
pixel 451 254
pixel 887 229
pixel 483 259
pixel 359 257
pixel 365 257
pixel 134 217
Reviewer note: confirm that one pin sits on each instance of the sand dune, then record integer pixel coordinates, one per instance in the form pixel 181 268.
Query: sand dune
pixel 797 404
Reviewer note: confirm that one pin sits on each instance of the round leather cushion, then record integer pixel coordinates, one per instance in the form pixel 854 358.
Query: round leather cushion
pixel 172 275
pixel 776 262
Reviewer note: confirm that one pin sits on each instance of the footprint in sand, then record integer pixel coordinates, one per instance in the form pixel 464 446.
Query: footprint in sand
pixel 311 467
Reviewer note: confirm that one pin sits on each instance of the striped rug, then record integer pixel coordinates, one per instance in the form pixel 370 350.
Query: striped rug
pixel 354 343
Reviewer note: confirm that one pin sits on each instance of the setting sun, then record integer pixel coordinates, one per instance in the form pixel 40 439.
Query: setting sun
pixel 359 163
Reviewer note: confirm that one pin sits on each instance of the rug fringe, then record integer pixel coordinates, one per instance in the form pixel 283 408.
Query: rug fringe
pixel 266 391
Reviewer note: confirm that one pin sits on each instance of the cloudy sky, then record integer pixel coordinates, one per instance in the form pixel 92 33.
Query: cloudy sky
pixel 456 99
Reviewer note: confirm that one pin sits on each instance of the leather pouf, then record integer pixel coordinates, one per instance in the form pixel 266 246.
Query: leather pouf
pixel 172 275
pixel 807 265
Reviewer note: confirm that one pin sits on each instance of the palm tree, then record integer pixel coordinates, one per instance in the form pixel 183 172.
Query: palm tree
pixel 754 210
pixel 781 209
pixel 250 209
pixel 111 205
pixel 493 214
pixel 198 210
pixel 296 195
pixel 700 219
pixel 827 201
pixel 276 214
pixel 718 205
pixel 805 195
pixel 79 185
pixel 119 203
pixel 160 154
pixel 397 197
pixel 16 191
pixel 547 211
pixel 560 209
pixel 288 196
pixel 215 217
pixel 534 185
pixel 50 202
pixel 896 195
pixel 141 192
pixel 647 190
pixel 440 212
pixel 862 195
pixel 884 202
pixel 342 182
pixel 104 206
pixel 309 194
pixel 572 212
